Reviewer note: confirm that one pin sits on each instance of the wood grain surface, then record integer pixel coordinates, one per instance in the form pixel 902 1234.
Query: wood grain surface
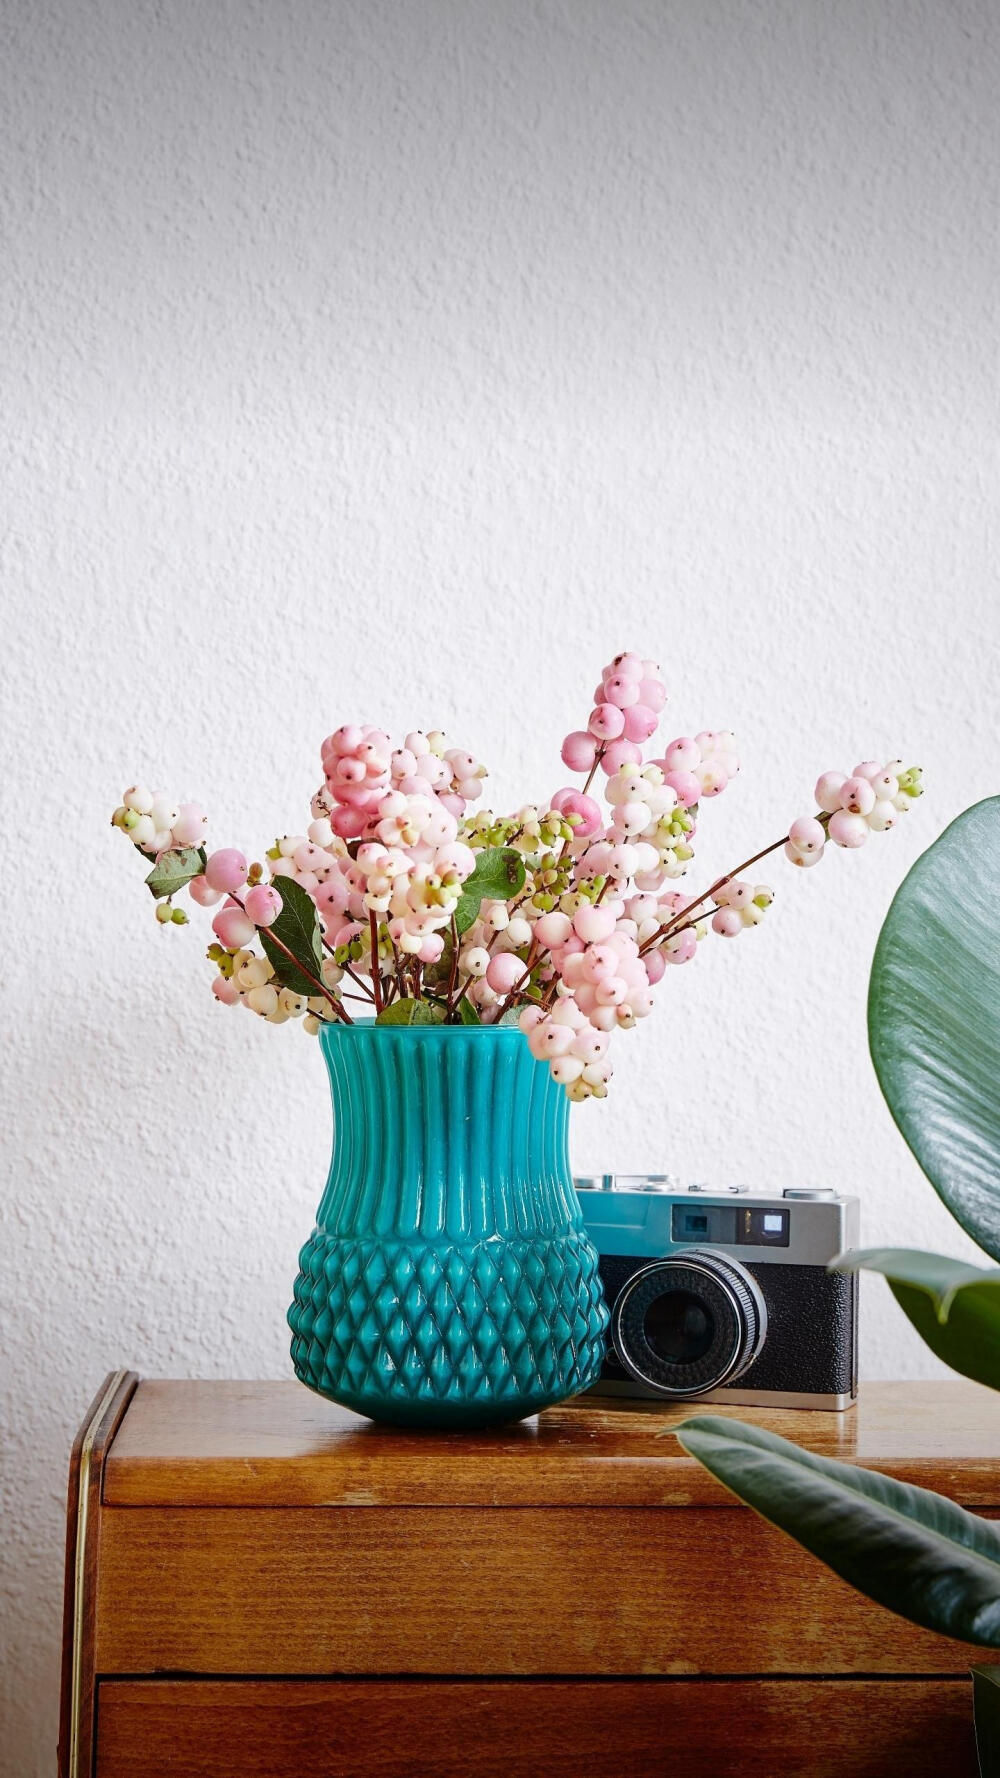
pixel 691 1729
pixel 276 1444
pixel 528 1590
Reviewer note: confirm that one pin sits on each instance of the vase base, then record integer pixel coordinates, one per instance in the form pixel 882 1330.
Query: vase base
pixel 439 1333
pixel 436 1416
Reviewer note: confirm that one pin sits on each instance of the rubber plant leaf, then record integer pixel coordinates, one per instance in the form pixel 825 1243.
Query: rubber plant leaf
pixel 934 1018
pixel 954 1307
pixel 912 1551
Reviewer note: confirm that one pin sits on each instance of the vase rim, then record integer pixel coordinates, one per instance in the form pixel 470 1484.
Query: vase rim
pixel 365 1025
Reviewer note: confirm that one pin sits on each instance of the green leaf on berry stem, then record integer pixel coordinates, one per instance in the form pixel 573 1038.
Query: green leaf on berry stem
pixel 467 1014
pixel 498 876
pixel 411 1012
pixel 173 869
pixel 293 943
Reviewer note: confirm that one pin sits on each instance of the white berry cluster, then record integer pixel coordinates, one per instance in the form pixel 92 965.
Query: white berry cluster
pixel 154 822
pixel 739 904
pixel 869 801
pixel 244 979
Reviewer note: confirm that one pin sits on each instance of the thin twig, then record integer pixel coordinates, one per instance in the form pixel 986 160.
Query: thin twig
pixel 375 973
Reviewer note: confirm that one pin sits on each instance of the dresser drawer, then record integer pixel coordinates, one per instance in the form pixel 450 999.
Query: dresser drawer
pixel 535 1729
pixel 547 1590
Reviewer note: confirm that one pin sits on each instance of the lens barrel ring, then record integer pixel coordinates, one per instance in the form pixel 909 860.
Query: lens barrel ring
pixel 734 1307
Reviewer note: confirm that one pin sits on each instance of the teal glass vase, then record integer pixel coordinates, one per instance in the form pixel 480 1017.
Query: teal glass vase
pixel 449 1280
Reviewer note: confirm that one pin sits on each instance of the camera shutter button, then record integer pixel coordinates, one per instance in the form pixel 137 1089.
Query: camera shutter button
pixel 808 1191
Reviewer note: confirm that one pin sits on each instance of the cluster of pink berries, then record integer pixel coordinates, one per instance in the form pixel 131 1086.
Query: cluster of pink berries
pixel 869 801
pixel 700 765
pixel 738 905
pixel 402 875
pixel 627 706
pixel 367 782
pixel 154 822
pixel 573 1049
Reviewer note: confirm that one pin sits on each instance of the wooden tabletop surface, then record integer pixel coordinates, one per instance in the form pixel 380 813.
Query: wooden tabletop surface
pixel 250 1444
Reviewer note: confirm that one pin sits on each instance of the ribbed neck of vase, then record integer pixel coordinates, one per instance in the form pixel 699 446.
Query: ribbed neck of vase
pixel 453 1130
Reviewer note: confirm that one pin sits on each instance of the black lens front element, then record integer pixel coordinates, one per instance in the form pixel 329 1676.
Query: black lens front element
pixel 688 1323
pixel 679 1327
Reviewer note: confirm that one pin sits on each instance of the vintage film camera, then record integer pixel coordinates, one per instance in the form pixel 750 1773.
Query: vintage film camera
pixel 723 1295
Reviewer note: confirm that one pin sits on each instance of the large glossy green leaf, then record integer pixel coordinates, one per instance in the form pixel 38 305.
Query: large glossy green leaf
pixel 986 1699
pixel 910 1550
pixel 954 1307
pixel 934 1017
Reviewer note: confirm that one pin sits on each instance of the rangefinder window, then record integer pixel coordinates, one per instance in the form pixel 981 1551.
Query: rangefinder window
pixel 763 1228
pixel 704 1222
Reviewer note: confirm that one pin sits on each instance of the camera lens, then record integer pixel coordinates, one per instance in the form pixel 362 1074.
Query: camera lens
pixel 689 1323
pixel 679 1327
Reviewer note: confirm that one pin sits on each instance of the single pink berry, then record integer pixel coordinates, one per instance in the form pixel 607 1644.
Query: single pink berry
pixel 189 828
pixel 593 924
pixel 620 753
pixel 579 750
pixel 599 964
pixel 684 785
pixel 607 722
pixel 802 859
pixel 621 690
pixel 681 948
pixel 713 779
pixel 225 990
pixel 807 834
pixel 857 796
pixel 348 770
pixel 503 971
pixel 640 722
pixel 589 1044
pixel 263 904
pixel 553 929
pixel 203 893
pixel 847 829
pixel 349 824
pixel 653 694
pixel 232 928
pixel 827 791
pixel 346 739
pixel 869 768
pixel 226 870
pixel 655 964
pixel 683 755
pixel 727 923
pixel 739 894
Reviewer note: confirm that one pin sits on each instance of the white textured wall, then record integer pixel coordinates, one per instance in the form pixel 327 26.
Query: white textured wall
pixel 402 362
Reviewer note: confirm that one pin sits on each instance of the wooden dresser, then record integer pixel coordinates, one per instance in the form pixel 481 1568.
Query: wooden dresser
pixel 260 1585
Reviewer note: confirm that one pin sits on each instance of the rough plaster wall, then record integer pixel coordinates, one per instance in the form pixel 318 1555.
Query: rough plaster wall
pixel 403 361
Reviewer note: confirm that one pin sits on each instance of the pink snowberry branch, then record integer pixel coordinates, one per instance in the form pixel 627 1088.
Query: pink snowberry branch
pixel 406 901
